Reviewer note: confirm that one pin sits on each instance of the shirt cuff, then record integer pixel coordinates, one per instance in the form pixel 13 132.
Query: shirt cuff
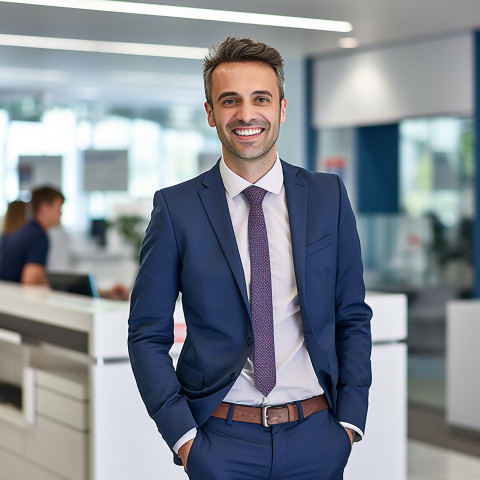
pixel 358 432
pixel 184 439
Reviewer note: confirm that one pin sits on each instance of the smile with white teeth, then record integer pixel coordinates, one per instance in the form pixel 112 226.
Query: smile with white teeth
pixel 249 132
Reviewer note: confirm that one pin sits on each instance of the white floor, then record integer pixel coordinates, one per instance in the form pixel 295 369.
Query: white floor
pixel 428 462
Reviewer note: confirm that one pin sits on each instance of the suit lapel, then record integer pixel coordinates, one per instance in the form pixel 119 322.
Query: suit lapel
pixel 296 192
pixel 216 207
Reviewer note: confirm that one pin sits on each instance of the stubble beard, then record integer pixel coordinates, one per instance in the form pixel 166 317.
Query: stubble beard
pixel 257 153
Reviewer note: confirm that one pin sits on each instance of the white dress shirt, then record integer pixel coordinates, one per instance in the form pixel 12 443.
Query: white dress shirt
pixel 291 355
pixel 296 378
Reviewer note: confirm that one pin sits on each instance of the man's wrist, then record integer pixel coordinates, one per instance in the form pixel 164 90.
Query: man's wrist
pixel 191 434
pixel 353 433
pixel 357 433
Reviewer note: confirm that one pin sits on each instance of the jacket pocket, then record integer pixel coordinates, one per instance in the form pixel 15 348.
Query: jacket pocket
pixel 189 376
pixel 318 245
pixel 343 432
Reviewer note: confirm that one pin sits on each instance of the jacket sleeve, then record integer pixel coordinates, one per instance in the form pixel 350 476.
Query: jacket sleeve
pixel 151 326
pixel 352 316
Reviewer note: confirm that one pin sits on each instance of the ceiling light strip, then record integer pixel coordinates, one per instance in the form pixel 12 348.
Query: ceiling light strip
pixel 28 74
pixel 116 6
pixel 71 44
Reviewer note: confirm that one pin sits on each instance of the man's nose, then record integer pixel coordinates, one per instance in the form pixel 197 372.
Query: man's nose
pixel 246 112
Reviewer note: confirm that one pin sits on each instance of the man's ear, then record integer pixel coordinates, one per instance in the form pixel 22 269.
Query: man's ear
pixel 41 207
pixel 210 116
pixel 283 110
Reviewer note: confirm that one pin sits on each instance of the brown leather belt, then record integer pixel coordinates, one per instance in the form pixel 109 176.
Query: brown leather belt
pixel 268 416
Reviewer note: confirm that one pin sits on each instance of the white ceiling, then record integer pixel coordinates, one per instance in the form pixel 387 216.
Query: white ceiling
pixel 148 81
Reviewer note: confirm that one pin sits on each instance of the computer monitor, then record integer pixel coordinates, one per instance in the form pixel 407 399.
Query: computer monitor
pixel 73 282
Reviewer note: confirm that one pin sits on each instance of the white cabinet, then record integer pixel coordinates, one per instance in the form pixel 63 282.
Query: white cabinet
pixel 52 440
pixel 78 413
pixel 463 386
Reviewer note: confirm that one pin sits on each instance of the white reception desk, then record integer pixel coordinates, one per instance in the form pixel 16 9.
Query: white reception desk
pixel 70 409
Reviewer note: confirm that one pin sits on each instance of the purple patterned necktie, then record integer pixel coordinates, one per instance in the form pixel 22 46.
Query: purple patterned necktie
pixel 263 354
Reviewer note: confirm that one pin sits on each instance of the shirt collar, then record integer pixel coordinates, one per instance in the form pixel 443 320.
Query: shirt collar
pixel 234 184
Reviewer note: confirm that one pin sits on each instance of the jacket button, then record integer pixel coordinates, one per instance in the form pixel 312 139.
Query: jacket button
pixel 249 341
pixel 233 376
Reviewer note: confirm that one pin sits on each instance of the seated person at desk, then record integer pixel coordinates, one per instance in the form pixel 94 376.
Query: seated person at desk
pixel 23 254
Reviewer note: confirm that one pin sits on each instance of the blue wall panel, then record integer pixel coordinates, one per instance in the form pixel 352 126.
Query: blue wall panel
pixel 377 169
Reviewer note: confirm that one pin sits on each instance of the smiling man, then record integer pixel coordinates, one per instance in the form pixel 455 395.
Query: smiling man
pixel 273 378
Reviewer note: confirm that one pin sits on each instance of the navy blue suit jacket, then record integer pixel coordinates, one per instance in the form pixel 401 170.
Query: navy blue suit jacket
pixel 190 247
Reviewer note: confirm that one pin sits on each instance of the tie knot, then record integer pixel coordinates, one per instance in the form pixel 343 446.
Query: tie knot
pixel 254 195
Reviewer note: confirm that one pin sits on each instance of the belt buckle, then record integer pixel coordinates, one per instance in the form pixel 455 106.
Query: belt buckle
pixel 265 416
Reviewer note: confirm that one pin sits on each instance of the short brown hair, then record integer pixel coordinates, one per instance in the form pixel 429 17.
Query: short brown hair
pixel 241 50
pixel 44 194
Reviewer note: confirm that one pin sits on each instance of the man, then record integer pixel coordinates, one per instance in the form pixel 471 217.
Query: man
pixel 23 254
pixel 267 258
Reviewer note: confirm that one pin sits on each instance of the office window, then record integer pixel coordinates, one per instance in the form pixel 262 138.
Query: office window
pixel 429 242
pixel 51 136
pixel 160 153
pixel 436 168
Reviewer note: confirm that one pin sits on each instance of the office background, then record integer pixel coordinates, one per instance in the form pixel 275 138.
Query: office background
pixel 396 117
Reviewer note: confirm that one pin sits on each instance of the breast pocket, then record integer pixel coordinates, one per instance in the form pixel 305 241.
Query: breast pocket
pixel 318 245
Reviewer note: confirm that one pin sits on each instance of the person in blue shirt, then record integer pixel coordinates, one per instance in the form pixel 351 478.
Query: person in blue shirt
pixel 23 254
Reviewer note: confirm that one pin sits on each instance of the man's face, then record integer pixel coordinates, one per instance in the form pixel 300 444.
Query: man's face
pixel 54 212
pixel 247 111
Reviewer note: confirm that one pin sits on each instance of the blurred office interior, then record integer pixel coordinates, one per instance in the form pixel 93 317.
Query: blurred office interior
pixel 396 116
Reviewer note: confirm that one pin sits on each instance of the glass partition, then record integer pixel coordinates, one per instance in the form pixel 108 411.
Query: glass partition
pixel 159 154
pixel 429 243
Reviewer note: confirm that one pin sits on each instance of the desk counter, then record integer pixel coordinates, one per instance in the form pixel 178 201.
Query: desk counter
pixel 80 416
